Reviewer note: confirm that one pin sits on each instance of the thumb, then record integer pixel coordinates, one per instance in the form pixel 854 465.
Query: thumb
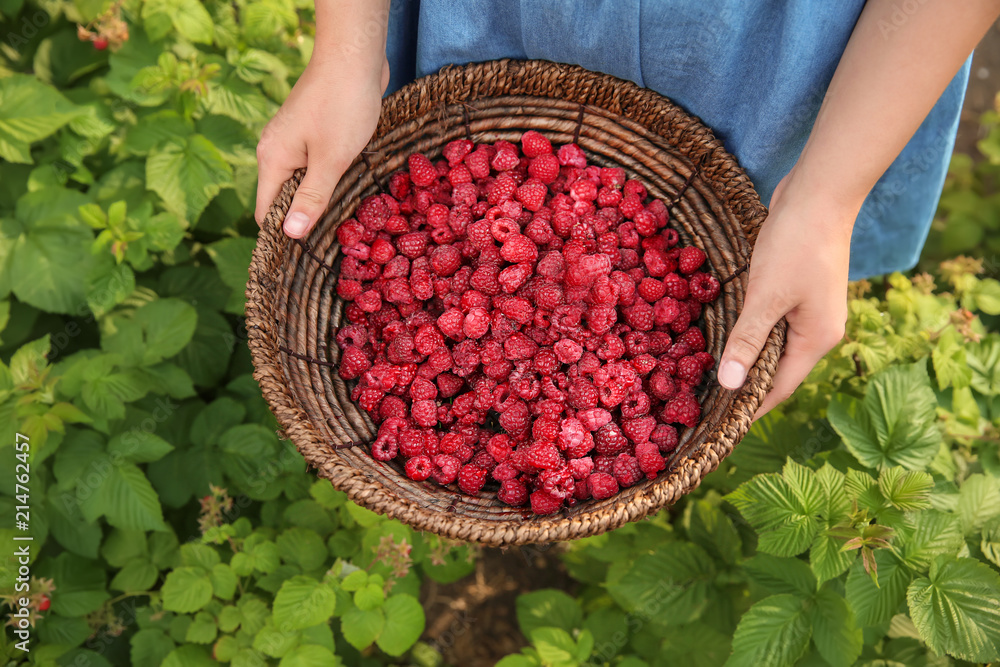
pixel 746 340
pixel 311 198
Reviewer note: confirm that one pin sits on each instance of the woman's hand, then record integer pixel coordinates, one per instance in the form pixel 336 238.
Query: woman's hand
pixel 798 271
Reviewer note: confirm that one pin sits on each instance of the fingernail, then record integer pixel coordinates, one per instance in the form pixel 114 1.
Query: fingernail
pixel 296 223
pixel 732 374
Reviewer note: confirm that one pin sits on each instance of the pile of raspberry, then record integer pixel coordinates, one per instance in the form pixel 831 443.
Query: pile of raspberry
pixel 519 317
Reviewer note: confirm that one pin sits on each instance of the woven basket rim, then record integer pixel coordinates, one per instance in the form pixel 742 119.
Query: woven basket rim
pixel 467 85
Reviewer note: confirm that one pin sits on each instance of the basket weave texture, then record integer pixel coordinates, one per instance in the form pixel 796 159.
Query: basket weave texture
pixel 293 311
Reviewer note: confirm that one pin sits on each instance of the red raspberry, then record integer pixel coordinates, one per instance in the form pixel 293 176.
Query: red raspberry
pixel 582 394
pixel 636 404
pixel 583 191
pixel 399 185
pixel 501 190
pixel 545 168
pixel 581 467
pixel 518 346
pixel 664 437
pixel 424 413
pixel 545 362
pixel 651 290
pixel 612 348
pixel 630 206
pixel 704 288
pixel 349 234
pixel 661 386
pixel 645 223
pixel 666 311
pixel 373 212
pixel 423 389
pixel 640 316
pixel 476 323
pixel 543 502
pixel 678 350
pixel 694 339
pixel 612 177
pixel 514 419
pixel 689 369
pixel 411 442
pixel 534 144
pixel 643 364
pixel 706 359
pixel 682 409
pixel 626 469
pixel 690 259
pixel 422 172
pixel 419 468
pixel 567 351
pixel 384 448
pixel 570 155
pixel 518 248
pixel 455 151
pixel 504 471
pixel 446 260
pixel 532 194
pixel 505 160
pixel 413 244
pixel 649 459
pixel 594 418
pixel 446 468
pixel 677 287
pixel 353 362
pixel 609 440
pixel 602 485
pixel 639 429
pixel 557 483
pixel 511 278
pixel 545 456
pixel 471 479
pixel 512 491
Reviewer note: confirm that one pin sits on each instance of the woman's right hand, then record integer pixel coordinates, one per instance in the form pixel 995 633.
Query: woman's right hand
pixel 328 118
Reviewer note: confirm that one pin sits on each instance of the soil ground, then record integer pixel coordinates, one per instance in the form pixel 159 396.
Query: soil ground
pixel 473 621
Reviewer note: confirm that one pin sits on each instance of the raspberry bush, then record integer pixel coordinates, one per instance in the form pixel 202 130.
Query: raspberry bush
pixel 173 525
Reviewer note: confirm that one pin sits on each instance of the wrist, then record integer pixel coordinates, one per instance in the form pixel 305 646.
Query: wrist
pixel 826 205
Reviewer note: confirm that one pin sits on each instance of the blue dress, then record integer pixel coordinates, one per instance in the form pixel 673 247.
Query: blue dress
pixel 754 71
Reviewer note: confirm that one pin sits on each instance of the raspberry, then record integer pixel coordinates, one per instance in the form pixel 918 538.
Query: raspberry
pixel 570 155
pixel 511 278
pixel 694 339
pixel 690 259
pixel 643 364
pixel 664 437
pixel 627 470
pixel 534 144
pixel 504 160
pixel 514 419
pixel 476 323
pixel 581 468
pixel 544 456
pixel 661 386
pixel 384 448
pixel 704 288
pixel 605 464
pixel 611 348
pixel 636 404
pixel 518 346
pixel 399 185
pixel 419 468
pixel 609 440
pixel 706 359
pixel 373 212
pixel 545 168
pixel 518 248
pixel 446 260
pixel 682 409
pixel 411 442
pixel 676 286
pixel 532 194
pixel 413 244
pixel 583 394
pixel 640 316
pixel 455 151
pixel 558 483
pixel 649 459
pixel 689 369
pixel 651 290
pixel 602 485
pixel 639 429
pixel 543 502
pixel 424 413
pixel 574 439
pixel 594 418
pixel 422 172
pixel 446 468
pixel 513 492
pixel 502 189
pixel 353 362
pixel 567 351
pixel 471 479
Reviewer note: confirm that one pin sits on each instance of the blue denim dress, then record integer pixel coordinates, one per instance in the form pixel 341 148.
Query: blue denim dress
pixel 755 71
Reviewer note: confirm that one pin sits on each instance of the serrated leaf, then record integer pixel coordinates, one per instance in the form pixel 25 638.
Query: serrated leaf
pixel 29 112
pixel 149 647
pixel 835 630
pixel 775 510
pixel 781 575
pixel 708 527
pixel 555 647
pixel 187 175
pixel 404 623
pixel 984 360
pixel 168 325
pixel 138 446
pixel 547 607
pixel 834 483
pixel 827 557
pixel 955 608
pixel 126 499
pixel 301 602
pixel 978 501
pixel 906 490
pixel 309 655
pixel 773 632
pixel 186 590
pixel 362 628
pixel 676 577
pixel 894 424
pixel 46 267
pixel 877 604
pixel 933 533
pixel 948 357
pixel 137 575
pixel 990 542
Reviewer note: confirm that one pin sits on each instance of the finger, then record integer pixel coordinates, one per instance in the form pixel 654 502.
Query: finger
pixel 802 352
pixel 312 197
pixel 747 339
pixel 273 169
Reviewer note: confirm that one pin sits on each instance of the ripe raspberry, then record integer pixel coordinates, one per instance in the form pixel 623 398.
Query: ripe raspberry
pixel 353 362
pixel 704 288
pixel 582 394
pixel 476 323
pixel 514 419
pixel 471 479
pixel 384 448
pixel 505 160
pixel 690 259
pixel 518 248
pixel 649 459
pixel 534 144
pixel 369 301
pixel 689 369
pixel 651 290
pixel 640 316
pixel 706 359
pixel 626 470
pixel 636 404
pixel 518 346
pixel 677 287
pixel 424 413
pixel 682 409
pixel 446 467
pixel 512 491
pixel 411 442
pixel 543 502
pixel 373 212
pixel 609 440
pixel 545 168
pixel 694 339
pixel 422 172
pixel 502 189
pixel 558 483
pixel 545 456
pixel 567 351
pixel 570 155
pixel 511 278
pixel 419 468
pixel 643 364
pixel 602 485
pixel 580 468
pixel 455 151
pixel 661 386
pixel 664 437
pixel 446 260
pixel 639 429
pixel 532 194
pixel 413 244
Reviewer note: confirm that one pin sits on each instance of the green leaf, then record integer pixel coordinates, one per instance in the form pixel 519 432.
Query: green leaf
pixel 547 607
pixel 68 526
pixel 188 17
pixel 202 629
pixel 708 527
pixel 137 575
pixel 224 581
pixel 555 647
pixel 232 257
pixel 187 175
pixel 274 642
pixel 81 584
pixel 186 590
pixel 369 597
pixel 933 533
pixel 108 285
pixel 984 360
pixel 955 608
pixel 167 325
pixel 47 265
pixel 676 579
pixel 781 575
pixel 775 509
pixel 987 296
pixel 895 424
pixel 990 543
pixel 156 128
pixel 874 605
pixel 150 647
pixel 206 357
pixel 302 546
pixel 949 360
pixel 189 656
pixel 773 632
pixel 362 628
pixel 906 490
pixel 303 601
pixel 138 446
pixel 30 360
pixel 978 501
pixel 309 655
pixel 29 112
pixel 404 623
pixel 129 501
pixel 835 631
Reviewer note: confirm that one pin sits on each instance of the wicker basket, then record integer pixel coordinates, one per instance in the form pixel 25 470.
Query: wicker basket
pixel 292 308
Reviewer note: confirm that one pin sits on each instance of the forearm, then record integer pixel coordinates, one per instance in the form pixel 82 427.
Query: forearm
pixel 888 79
pixel 351 34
